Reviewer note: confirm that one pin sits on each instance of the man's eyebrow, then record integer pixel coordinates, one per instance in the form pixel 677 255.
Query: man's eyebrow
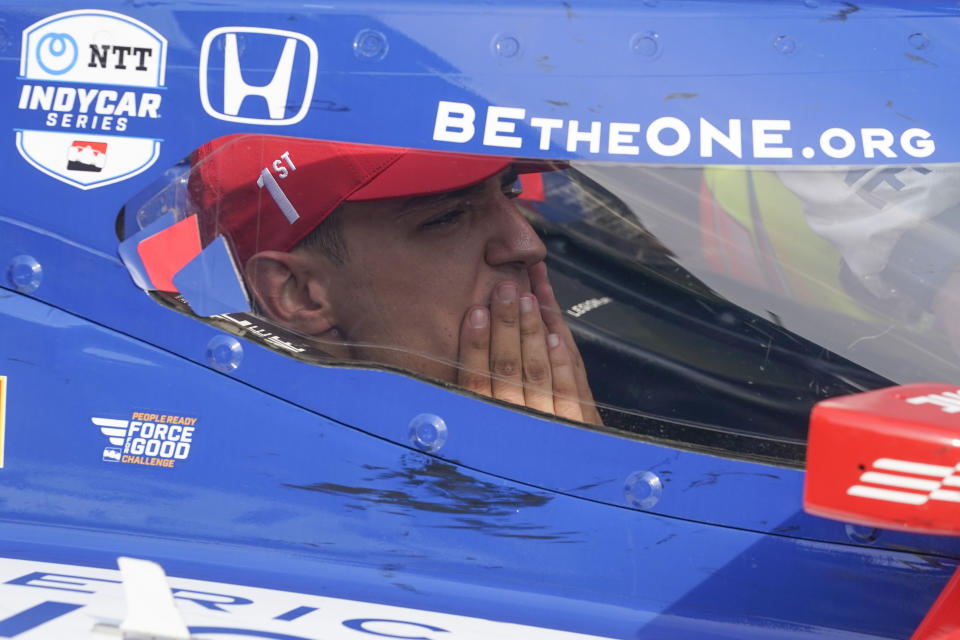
pixel 423 201
pixel 415 203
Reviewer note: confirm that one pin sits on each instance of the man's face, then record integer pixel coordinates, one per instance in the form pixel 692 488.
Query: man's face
pixel 414 266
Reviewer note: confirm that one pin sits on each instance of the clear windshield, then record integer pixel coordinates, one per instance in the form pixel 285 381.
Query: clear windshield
pixel 670 302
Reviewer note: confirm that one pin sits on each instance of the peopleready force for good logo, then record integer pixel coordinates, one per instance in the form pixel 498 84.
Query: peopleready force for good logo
pixel 148 438
pixel 89 96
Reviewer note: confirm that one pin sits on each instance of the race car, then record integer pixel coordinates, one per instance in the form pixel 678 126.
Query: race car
pixel 443 320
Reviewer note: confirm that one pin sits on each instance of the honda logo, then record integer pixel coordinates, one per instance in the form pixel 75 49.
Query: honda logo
pixel 257 76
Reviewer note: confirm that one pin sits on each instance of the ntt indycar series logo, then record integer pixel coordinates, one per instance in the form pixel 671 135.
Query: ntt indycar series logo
pixel 149 439
pixel 90 94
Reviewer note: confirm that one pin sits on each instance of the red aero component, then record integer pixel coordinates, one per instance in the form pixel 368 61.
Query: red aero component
pixel 888 459
pixel 943 620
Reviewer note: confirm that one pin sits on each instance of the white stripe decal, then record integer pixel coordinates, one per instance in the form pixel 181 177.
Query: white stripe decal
pixel 917 468
pixel 945 495
pixel 116 436
pixel 904 482
pixel 115 430
pixel 886 494
pixel 952 481
pixel 109 422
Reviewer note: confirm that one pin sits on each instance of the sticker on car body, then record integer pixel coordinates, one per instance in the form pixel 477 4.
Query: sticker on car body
pixel 90 93
pixel 150 439
pixel 52 600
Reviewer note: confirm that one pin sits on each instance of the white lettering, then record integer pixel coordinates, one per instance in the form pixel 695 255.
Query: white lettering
pixel 42 98
pixel 877 140
pixel 149 105
pixel 922 149
pixel 732 141
pixel 575 136
pixel 286 207
pixel 63 100
pixel 621 138
pixel 102 108
pixel 661 148
pixel 127 106
pixel 86 97
pixel 454 122
pixel 499 123
pixel 845 137
pixel 546 125
pixel 764 137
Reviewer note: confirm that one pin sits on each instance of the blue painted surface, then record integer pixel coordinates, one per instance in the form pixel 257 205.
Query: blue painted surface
pixel 287 485
pixel 302 477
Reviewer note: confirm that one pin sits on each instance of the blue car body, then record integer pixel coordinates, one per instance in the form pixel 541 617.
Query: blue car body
pixel 304 479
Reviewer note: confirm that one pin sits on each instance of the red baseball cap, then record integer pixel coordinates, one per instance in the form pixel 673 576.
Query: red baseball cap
pixel 268 192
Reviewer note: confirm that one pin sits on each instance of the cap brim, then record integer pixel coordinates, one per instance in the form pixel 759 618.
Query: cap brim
pixel 418 173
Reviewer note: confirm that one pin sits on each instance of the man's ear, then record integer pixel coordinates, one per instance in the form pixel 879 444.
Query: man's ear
pixel 291 288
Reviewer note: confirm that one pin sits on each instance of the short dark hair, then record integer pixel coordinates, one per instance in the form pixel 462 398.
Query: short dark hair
pixel 327 238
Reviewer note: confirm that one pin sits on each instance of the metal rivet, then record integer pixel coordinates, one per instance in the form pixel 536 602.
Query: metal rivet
pixel 224 353
pixel 506 46
pixel 861 534
pixel 428 432
pixel 25 274
pixel 918 41
pixel 643 489
pixel 370 45
pixel 646 45
pixel 785 44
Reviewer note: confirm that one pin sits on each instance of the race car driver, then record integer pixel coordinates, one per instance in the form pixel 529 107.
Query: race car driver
pixel 413 259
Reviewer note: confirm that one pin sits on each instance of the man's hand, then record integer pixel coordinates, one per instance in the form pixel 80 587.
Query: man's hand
pixel 521 351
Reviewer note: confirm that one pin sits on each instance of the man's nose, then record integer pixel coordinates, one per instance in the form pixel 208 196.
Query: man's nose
pixel 512 239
